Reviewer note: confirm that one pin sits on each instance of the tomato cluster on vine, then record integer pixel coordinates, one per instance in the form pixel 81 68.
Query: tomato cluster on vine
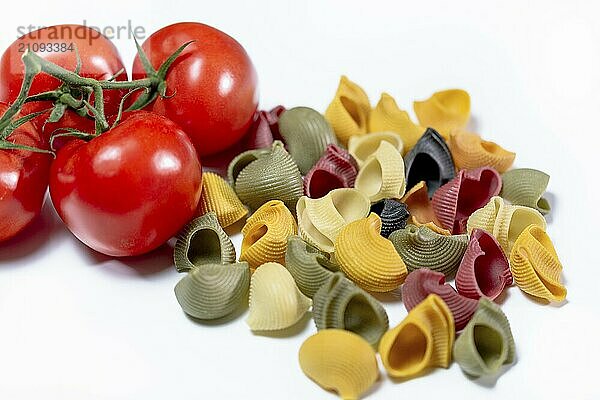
pixel 121 157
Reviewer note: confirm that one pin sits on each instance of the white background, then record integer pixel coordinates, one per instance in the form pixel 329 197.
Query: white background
pixel 78 325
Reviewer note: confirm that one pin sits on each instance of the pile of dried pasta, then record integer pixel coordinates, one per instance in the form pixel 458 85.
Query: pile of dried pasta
pixel 363 200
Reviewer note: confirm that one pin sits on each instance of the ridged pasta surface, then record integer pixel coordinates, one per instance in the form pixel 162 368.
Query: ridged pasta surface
pixel 526 187
pixel 382 174
pixel 423 340
pixel 258 176
pixel 340 304
pixel 444 111
pixel 535 265
pixel 387 116
pixel 367 258
pixel 341 361
pixel 266 234
pixel 306 134
pixel 202 241
pixel 486 343
pixel 219 197
pixel 470 151
pixel 420 247
pixel 348 112
pixel 275 301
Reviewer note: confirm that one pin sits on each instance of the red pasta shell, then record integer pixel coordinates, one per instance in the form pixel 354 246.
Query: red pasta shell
pixel 422 282
pixel 470 190
pixel 484 270
pixel 264 129
pixel 335 169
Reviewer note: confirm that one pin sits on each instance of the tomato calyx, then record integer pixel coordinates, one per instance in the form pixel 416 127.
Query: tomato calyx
pixel 159 76
pixel 77 92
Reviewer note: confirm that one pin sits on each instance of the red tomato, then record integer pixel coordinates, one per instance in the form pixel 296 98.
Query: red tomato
pixel 23 180
pixel 99 57
pixel 129 190
pixel 214 84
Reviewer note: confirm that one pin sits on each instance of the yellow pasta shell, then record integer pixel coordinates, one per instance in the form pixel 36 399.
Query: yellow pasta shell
pixel 367 258
pixel 444 111
pixel 219 197
pixel 469 151
pixel 266 233
pixel 382 174
pixel 422 340
pixel 339 360
pixel 275 300
pixel 504 221
pixel 349 110
pixel 362 146
pixel 421 210
pixel 535 265
pixel 321 220
pixel 387 116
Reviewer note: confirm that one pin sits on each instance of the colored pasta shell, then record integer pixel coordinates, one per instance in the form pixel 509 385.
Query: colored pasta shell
pixel 335 169
pixel 430 161
pixel 341 361
pixel 264 129
pixel 382 174
pixel 445 110
pixel 258 176
pixel 340 304
pixel 266 234
pixel 484 270
pixel 275 301
pixel 421 210
pixel 321 220
pixel 469 151
pixel 349 110
pixel 454 202
pixel 525 187
pixel 213 291
pixel 202 241
pixel 421 341
pixel 387 116
pixel 393 214
pixel 367 258
pixel 504 221
pixel 535 265
pixel 361 147
pixel 420 247
pixel 308 266
pixel 306 134
pixel 423 282
pixel 486 343
pixel 219 197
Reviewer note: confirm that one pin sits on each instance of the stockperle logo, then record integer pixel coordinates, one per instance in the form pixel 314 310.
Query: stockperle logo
pixel 84 31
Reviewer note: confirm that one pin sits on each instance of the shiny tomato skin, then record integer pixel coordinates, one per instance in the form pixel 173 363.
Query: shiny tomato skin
pixel 99 60
pixel 23 180
pixel 214 84
pixel 129 190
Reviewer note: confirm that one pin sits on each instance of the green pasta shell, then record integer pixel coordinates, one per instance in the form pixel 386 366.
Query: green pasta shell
pixel 306 134
pixel 486 343
pixel 525 187
pixel 309 267
pixel 258 176
pixel 420 247
pixel 340 304
pixel 213 291
pixel 203 241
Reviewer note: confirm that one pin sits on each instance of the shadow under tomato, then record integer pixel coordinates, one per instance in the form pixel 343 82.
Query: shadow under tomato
pixel 153 263
pixel 44 230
